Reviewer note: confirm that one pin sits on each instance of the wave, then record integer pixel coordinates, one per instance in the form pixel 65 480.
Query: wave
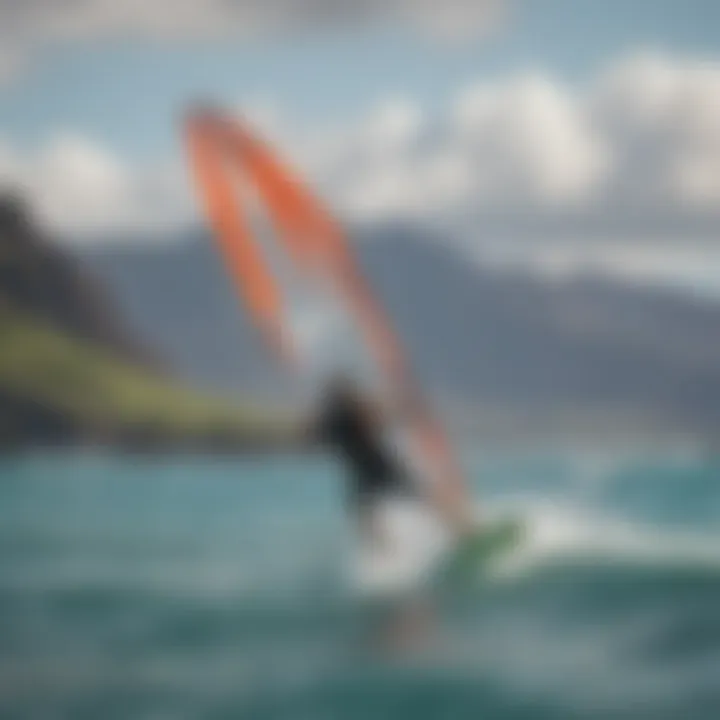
pixel 557 532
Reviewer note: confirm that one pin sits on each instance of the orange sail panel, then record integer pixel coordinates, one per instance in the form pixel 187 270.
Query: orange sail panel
pixel 316 244
pixel 243 255
pixel 316 241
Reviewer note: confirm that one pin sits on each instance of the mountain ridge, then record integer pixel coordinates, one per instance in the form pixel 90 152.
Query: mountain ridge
pixel 473 333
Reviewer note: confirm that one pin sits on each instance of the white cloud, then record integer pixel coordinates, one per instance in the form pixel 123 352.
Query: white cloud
pixel 644 137
pixel 635 260
pixel 530 141
pixel 30 26
pixel 524 143
pixel 662 117
pixel 643 140
pixel 82 191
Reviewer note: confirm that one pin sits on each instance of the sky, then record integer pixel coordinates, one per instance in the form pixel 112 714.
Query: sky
pixel 555 134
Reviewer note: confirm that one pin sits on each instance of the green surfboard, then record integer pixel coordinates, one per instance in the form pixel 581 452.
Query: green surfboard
pixel 492 539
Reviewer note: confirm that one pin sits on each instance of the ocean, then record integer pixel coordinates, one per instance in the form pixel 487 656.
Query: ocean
pixel 195 587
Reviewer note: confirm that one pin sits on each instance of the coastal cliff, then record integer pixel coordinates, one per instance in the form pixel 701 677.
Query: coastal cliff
pixel 71 372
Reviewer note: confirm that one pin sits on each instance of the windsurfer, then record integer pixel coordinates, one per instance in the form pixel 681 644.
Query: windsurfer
pixel 353 426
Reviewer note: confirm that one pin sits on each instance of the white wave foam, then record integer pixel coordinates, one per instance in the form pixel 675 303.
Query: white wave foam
pixel 553 533
pixel 562 532
pixel 412 543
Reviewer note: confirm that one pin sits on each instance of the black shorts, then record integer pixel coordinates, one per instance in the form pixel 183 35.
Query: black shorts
pixel 364 492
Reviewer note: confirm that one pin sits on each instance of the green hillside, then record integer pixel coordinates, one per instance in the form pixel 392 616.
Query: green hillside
pixel 75 389
pixel 72 372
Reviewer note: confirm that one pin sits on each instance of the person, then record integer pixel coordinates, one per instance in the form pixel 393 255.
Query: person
pixel 354 426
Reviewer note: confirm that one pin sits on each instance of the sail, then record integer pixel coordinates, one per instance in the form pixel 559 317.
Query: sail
pixel 227 159
pixel 243 255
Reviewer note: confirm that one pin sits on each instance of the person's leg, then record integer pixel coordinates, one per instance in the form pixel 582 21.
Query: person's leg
pixel 405 626
pixel 369 523
pixel 413 624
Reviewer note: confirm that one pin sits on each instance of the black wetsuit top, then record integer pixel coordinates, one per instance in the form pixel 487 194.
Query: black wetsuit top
pixel 346 427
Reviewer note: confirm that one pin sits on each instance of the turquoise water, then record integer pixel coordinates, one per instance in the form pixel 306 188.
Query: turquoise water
pixel 196 588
